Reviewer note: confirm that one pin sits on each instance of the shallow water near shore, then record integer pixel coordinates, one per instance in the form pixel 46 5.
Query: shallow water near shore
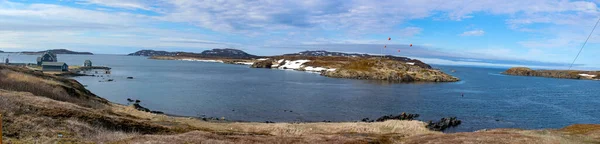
pixel 236 92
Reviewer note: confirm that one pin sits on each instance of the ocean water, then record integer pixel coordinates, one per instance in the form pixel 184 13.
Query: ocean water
pixel 236 92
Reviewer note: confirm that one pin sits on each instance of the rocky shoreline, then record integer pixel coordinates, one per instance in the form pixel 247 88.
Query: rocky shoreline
pixel 564 74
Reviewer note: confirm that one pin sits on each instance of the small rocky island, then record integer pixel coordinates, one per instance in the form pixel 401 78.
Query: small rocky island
pixel 330 64
pixel 566 74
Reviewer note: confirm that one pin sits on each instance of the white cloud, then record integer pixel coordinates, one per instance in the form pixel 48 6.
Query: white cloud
pixel 473 33
pixel 118 23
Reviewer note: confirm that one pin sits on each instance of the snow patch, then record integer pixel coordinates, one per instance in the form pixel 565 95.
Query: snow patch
pixel 200 60
pixel 244 63
pixel 410 63
pixel 262 59
pixel 315 69
pixel 293 64
pixel 587 75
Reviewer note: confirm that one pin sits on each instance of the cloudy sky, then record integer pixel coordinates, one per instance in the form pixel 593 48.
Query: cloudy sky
pixel 545 33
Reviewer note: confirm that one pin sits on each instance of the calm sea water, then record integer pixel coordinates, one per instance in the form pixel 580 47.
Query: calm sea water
pixel 236 92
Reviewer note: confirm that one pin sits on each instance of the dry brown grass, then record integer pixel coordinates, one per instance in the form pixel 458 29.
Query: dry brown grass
pixel 501 136
pixel 361 65
pixel 29 118
pixel 39 84
pixel 327 64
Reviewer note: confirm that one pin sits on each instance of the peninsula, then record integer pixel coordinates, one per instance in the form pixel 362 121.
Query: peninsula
pixel 565 74
pixel 330 64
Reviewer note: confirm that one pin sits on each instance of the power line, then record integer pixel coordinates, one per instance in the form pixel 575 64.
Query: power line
pixel 586 40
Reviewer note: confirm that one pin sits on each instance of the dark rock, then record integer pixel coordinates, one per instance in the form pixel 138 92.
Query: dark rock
pixel 263 64
pixel 129 77
pixel 443 124
pixel 366 120
pixel 140 108
pixel 402 116
pixel 156 112
pixel 129 100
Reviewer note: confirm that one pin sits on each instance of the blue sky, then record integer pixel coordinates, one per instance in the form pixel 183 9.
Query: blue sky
pixel 537 33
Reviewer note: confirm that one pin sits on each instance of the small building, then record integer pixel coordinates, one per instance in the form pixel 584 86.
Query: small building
pixel 87 63
pixel 54 66
pixel 47 57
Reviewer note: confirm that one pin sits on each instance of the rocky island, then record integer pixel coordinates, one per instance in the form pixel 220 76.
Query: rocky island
pixel 566 74
pixel 330 64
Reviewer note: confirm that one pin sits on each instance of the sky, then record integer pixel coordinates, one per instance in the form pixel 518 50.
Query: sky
pixel 535 33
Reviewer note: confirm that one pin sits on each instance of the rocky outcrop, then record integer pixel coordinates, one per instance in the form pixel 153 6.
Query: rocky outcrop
pixel 403 116
pixel 568 74
pixel 443 124
pixel 263 64
pixel 389 70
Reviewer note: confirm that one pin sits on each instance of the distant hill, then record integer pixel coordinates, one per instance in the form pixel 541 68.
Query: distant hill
pixel 57 51
pixel 320 53
pixel 153 53
pixel 214 53
pixel 1 51
pixel 230 53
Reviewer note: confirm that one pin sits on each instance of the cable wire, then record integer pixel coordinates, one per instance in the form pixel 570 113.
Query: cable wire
pixel 586 40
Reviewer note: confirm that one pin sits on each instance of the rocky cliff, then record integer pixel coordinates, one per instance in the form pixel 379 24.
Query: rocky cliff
pixel 568 74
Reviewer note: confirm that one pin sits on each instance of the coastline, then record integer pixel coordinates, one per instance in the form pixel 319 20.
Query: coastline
pixel 562 74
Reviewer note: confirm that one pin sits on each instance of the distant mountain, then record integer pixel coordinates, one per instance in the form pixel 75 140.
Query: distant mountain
pixel 57 51
pixel 326 53
pixel 1 51
pixel 153 53
pixel 230 53
pixel 214 53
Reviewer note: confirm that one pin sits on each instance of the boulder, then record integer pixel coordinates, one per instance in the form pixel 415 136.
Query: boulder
pixel 403 116
pixel 443 124
pixel 263 64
